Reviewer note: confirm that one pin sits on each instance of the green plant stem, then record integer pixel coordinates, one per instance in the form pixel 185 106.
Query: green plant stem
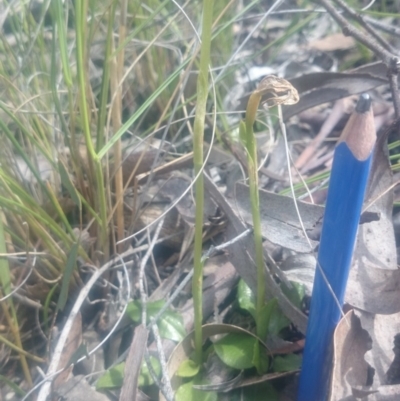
pixel 94 160
pixel 251 147
pixel 202 92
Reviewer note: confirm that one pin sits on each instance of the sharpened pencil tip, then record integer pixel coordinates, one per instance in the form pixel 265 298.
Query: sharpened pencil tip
pixel 359 132
pixel 364 103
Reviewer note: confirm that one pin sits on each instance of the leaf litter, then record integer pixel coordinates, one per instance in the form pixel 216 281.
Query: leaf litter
pixel 364 339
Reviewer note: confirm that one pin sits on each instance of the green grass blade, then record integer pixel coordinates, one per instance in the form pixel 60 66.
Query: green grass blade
pixel 69 269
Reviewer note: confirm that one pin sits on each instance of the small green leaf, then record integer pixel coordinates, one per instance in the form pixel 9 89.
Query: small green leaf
pixel 272 319
pixel 145 378
pixel 186 392
pixel 154 307
pixel 170 323
pixel 171 326
pixel 188 368
pixel 286 363
pixel 236 350
pixel 294 294
pixel 277 320
pixel 113 378
pixel 134 311
pixel 246 298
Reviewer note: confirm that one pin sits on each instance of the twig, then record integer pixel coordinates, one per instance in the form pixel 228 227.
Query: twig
pixel 359 18
pixel 394 88
pixel 166 383
pixel 390 29
pixel 391 60
pixel 350 30
pixel 154 376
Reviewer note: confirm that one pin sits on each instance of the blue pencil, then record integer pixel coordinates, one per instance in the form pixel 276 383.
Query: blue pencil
pixel 348 181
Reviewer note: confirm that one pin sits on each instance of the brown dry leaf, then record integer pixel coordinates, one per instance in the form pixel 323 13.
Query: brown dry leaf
pixel 386 393
pixel 137 163
pixel 382 329
pixel 350 369
pixel 323 87
pixel 78 389
pixel 279 220
pixel 374 281
pixel 330 43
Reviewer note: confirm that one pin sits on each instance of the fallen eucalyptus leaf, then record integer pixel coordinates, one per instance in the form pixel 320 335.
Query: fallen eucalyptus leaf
pixel 350 369
pixel 170 323
pixel 383 330
pixel 322 87
pixel 279 220
pixel 374 281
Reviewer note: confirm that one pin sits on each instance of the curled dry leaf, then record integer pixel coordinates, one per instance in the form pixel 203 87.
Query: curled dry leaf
pixel 364 357
pixel 275 91
pixel 383 330
pixel 350 369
